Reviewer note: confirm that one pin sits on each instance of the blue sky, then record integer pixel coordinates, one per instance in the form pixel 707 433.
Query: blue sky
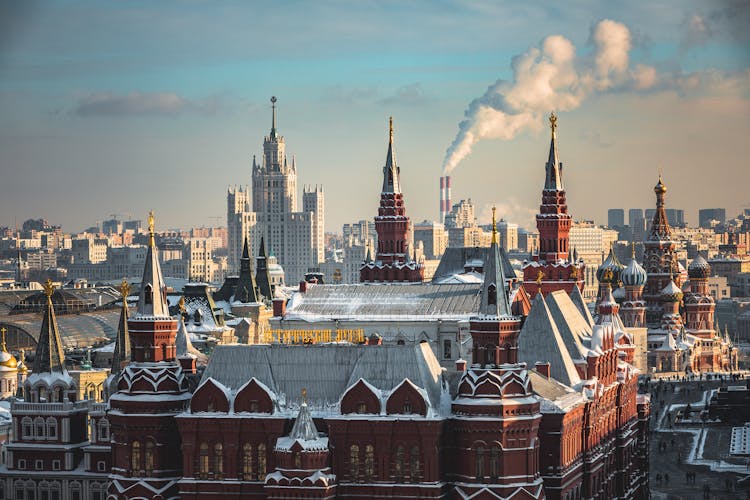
pixel 122 107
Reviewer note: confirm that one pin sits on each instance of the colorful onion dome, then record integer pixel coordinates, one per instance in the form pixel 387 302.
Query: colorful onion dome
pixel 610 264
pixel 671 293
pixel 699 268
pixel 633 274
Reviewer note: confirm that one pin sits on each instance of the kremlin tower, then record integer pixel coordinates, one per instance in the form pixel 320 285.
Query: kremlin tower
pixel 551 269
pixel 393 262
pixel 151 391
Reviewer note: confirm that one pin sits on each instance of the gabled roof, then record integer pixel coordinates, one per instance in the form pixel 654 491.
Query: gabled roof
pixel 540 340
pixel 577 298
pixel 573 327
pixel 455 258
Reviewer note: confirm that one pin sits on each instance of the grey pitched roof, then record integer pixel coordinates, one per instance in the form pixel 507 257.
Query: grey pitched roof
pixel 49 357
pixel 454 258
pixel 325 370
pixel 580 303
pixel 121 352
pixel 572 326
pixel 304 427
pixel 246 290
pixel 540 340
pixel 391 171
pixel 553 178
pixel 152 300
pixel 385 301
pixel 493 285
pixel 262 275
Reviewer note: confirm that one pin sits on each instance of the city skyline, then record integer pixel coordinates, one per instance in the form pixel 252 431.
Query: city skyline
pixel 169 104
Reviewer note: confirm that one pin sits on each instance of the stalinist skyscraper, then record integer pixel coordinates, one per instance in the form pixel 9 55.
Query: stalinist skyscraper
pixel 295 237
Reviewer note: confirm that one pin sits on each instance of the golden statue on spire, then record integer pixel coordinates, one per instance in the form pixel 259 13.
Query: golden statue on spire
pixel 539 278
pixel 124 289
pixel 304 395
pixel 48 288
pixel 553 122
pixel 494 226
pixel 151 228
pixel 390 124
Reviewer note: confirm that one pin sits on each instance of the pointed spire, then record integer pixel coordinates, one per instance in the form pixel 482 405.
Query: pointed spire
pixel 273 116
pixel 660 230
pixel 494 300
pixel 553 180
pixel 183 345
pixel 262 275
pixel 49 356
pixel 368 258
pixel 304 427
pixel 391 172
pixel 122 353
pixel 152 300
pixel 246 290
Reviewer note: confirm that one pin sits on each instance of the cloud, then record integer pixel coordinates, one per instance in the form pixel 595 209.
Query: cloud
pixel 510 210
pixel 143 103
pixel 410 95
pixel 341 94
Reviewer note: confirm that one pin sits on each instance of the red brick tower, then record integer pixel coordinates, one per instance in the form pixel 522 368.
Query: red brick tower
pixel 392 261
pixel 151 390
pixel 551 267
pixel 659 259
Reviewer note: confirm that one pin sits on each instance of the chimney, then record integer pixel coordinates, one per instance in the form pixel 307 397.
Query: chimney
pixel 187 363
pixel 448 204
pixel 460 365
pixel 442 199
pixel 302 286
pixel 374 339
pixel 542 368
pixel 279 307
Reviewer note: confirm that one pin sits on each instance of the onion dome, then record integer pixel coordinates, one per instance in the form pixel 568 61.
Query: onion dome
pixel 660 188
pixel 7 360
pixel 633 274
pixel 22 368
pixel 699 268
pixel 611 263
pixel 671 293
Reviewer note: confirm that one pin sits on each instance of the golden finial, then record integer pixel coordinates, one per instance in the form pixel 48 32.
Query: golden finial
pixel 48 289
pixel 632 250
pixel 574 272
pixel 3 331
pixel 124 289
pixel 539 277
pixel 494 226
pixel 553 122
pixel 181 304
pixel 304 395
pixel 151 228
pixel 607 275
pixel 390 124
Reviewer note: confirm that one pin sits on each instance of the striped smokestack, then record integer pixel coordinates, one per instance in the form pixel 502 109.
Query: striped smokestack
pixel 448 204
pixel 442 199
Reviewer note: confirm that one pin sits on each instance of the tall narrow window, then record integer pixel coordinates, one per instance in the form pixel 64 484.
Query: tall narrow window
pixel 494 462
pixel 218 460
pixel 203 461
pixel 407 407
pixel 479 462
pixel 354 461
pixel 492 294
pixel 135 457
pixel 369 462
pixel 297 460
pixel 149 456
pixel 415 464
pixel 447 349
pixel 40 428
pixel 261 461
pixel 148 294
pixel 398 466
pixel 51 428
pixel 247 462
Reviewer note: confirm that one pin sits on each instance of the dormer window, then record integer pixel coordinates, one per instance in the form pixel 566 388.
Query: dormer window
pixel 148 294
pixel 407 407
pixel 361 408
pixel 492 294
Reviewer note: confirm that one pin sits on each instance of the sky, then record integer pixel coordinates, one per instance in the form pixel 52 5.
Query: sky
pixel 125 107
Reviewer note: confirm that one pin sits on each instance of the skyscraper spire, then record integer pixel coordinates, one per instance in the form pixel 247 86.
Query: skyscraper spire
pixel 262 276
pixel 49 356
pixel 246 290
pixel 152 299
pixel 391 172
pixel 273 116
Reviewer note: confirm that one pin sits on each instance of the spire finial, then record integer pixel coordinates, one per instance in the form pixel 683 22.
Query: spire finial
pixel 494 226
pixel 124 290
pixel 390 126
pixel 539 279
pixel 48 289
pixel 151 229
pixel 273 115
pixel 304 395
pixel 3 331
pixel 553 123
pixel 632 250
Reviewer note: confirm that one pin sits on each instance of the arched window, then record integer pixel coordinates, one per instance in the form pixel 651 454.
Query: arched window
pixel 415 464
pixel 479 463
pixel 492 294
pixel 135 457
pixel 261 461
pixel 75 491
pixel 149 456
pixel 369 462
pixel 27 428
pixel 354 461
pixel 247 461
pixel 218 460
pixel 51 428
pixel 203 461
pixel 30 490
pixel 398 466
pixel 148 294
pixel 407 407
pixel 297 460
pixel 40 427
pixel 494 462
pixel 103 429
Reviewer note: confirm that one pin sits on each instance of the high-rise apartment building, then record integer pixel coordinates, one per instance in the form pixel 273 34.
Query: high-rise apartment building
pixel 615 217
pixel 295 238
pixel 706 215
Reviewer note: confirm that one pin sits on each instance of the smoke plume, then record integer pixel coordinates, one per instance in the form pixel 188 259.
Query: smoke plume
pixel 546 78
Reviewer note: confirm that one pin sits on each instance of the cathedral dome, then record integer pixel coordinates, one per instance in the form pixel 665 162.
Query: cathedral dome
pixel 610 264
pixel 633 274
pixel 699 268
pixel 671 293
pixel 660 188
pixel 7 361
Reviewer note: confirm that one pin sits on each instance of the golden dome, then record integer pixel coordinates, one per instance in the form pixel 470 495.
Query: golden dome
pixel 660 188
pixel 6 359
